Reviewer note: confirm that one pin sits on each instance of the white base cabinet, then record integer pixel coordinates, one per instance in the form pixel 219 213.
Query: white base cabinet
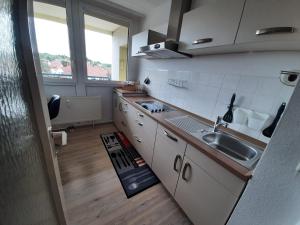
pixel 144 134
pixel 137 127
pixel 168 157
pixel 201 192
pixel 205 190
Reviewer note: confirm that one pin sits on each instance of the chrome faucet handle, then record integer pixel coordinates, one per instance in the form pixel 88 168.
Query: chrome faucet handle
pixel 218 123
pixel 219 119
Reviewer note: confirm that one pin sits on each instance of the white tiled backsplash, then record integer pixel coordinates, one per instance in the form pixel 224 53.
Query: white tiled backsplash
pixel 212 80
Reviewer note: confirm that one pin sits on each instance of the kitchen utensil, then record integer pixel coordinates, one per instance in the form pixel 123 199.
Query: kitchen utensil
pixel 112 138
pixel 270 129
pixel 120 156
pixel 106 140
pixel 124 156
pixel 114 155
pixel 228 117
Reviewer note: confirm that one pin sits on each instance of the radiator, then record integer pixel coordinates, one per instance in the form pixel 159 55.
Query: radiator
pixel 79 109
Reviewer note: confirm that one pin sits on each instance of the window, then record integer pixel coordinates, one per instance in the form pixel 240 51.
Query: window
pixel 106 49
pixel 52 40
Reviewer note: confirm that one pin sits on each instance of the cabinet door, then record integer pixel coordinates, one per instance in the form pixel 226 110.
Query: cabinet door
pixel 272 18
pixel 117 110
pixel 213 23
pixel 139 40
pixel 168 157
pixel 204 200
pixel 144 133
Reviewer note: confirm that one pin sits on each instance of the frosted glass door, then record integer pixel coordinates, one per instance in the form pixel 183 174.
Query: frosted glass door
pixel 25 197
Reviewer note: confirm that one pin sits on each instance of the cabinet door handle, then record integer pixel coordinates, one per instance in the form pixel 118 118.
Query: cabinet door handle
pixel 124 124
pixel 137 139
pixel 141 124
pixel 274 30
pixel 141 115
pixel 178 157
pixel 170 136
pixel 186 165
pixel 202 41
pixel 120 107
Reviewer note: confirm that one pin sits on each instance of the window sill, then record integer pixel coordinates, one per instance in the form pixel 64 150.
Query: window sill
pixel 58 82
pixel 103 83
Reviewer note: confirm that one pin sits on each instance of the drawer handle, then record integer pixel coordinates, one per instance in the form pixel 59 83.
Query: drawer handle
pixel 140 115
pixel 186 165
pixel 170 136
pixel 120 107
pixel 178 157
pixel 202 41
pixel 137 139
pixel 141 124
pixel 274 30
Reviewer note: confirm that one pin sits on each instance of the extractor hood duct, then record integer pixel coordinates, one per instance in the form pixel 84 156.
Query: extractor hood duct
pixel 169 47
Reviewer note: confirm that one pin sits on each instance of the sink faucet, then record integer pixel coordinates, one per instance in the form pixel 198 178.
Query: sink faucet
pixel 219 123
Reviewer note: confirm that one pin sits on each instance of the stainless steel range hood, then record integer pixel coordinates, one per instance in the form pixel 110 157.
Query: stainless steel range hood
pixel 169 48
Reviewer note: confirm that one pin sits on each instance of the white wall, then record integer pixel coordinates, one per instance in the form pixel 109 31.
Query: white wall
pixel 119 39
pixel 272 195
pixel 212 79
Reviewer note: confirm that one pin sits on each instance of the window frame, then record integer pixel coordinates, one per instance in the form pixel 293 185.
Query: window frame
pixel 48 80
pixel 92 10
pixel 74 9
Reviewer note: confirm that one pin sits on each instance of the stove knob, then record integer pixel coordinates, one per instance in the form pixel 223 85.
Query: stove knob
pixel 155 110
pixel 157 46
pixel 152 110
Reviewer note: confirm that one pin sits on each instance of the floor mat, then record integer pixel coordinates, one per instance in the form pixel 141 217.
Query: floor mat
pixel 135 175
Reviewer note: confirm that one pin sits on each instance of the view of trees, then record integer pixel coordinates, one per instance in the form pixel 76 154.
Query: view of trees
pixel 61 65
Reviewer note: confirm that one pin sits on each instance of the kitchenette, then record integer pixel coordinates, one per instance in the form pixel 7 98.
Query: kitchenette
pixel 192 156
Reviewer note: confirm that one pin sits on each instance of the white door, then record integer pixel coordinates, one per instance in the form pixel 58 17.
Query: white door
pixel 213 23
pixel 203 199
pixel 40 107
pixel 168 157
pixel 270 20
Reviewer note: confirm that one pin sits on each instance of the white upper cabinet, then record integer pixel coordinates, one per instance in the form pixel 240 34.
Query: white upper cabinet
pixel 270 21
pixel 139 40
pixel 212 23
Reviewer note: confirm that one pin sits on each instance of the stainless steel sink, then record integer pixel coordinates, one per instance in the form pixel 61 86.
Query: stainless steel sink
pixel 241 152
pixel 233 148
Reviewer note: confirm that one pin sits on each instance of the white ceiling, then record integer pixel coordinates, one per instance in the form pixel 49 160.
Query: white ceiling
pixel 140 6
pixel 98 24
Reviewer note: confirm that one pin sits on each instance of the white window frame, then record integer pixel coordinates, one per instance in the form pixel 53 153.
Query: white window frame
pixel 102 14
pixel 75 10
pixel 53 81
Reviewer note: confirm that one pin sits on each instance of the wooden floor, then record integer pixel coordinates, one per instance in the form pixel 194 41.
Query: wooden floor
pixel 93 192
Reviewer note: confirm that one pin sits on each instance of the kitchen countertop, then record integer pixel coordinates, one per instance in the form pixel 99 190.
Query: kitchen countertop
pixel 217 156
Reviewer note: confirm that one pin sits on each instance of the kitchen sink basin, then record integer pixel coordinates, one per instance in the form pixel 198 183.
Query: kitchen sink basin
pixel 240 151
pixel 233 148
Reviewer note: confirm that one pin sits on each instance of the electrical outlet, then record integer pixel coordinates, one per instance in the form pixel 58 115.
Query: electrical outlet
pixel 178 83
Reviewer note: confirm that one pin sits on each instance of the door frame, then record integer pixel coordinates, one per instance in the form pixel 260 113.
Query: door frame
pixel 26 29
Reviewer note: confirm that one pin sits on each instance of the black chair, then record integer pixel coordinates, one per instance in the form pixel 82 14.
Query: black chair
pixel 53 106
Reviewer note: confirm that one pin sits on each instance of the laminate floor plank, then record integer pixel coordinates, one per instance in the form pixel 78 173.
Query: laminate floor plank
pixel 93 192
